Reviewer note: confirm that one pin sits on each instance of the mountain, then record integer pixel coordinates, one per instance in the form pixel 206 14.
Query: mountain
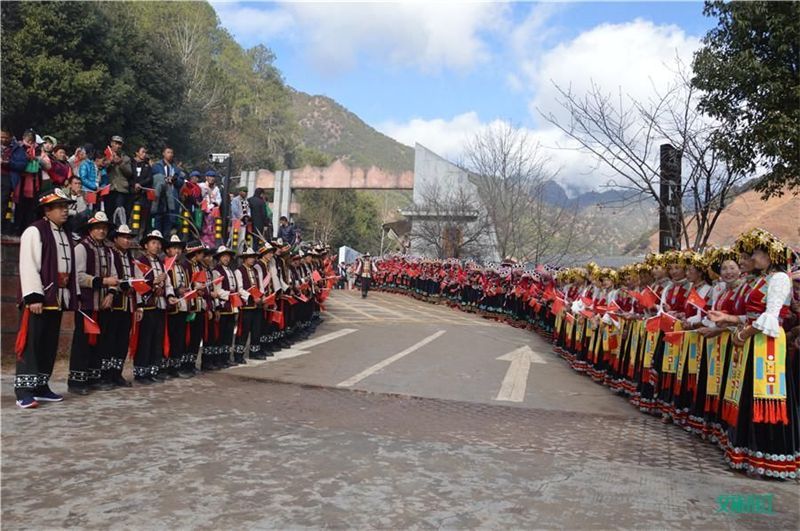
pixel 330 128
pixel 778 215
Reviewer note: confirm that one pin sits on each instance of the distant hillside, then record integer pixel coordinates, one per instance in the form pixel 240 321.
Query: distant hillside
pixel 335 131
pixel 779 215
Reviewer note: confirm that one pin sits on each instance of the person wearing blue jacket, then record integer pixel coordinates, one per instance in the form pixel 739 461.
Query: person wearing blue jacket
pixel 92 172
pixel 168 179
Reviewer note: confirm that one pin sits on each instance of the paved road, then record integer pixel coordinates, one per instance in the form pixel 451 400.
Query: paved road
pixel 416 438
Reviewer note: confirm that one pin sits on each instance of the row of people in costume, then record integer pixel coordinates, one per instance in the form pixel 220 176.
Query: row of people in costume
pixel 708 341
pixel 165 305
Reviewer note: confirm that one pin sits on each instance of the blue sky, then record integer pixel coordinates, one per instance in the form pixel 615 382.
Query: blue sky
pixel 436 73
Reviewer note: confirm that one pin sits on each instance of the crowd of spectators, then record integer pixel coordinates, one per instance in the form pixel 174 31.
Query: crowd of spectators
pixel 141 191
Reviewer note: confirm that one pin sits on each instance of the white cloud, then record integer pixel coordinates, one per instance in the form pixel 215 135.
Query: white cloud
pixel 429 36
pixel 445 137
pixel 633 57
pixel 250 22
pixel 448 137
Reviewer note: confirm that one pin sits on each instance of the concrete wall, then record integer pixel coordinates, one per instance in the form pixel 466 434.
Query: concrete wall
pixel 430 168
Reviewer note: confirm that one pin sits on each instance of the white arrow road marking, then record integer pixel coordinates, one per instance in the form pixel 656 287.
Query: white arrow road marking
pixel 300 348
pixel 516 379
pixel 350 382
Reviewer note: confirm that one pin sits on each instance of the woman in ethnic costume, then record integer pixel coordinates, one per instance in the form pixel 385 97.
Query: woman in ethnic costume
pixel 692 344
pixel 625 306
pixel 758 403
pixel 673 302
pixel 652 349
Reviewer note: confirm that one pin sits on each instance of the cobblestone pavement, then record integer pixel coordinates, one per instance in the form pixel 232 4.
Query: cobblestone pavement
pixel 232 450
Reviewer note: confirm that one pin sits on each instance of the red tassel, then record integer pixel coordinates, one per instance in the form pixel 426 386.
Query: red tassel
pixel 92 339
pixel 22 334
pixel 166 338
pixel 784 418
pixel 134 340
pixel 188 335
pixel 758 411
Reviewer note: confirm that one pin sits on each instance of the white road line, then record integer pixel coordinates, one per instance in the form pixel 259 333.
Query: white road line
pixel 299 349
pixel 347 306
pixel 350 382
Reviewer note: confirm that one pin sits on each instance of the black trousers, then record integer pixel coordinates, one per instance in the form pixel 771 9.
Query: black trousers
pixel 85 360
pixel 150 348
pixel 365 283
pixel 114 342
pixel 211 329
pixel 197 327
pixel 268 333
pixel 176 329
pixel 248 328
pixel 227 324
pixel 35 365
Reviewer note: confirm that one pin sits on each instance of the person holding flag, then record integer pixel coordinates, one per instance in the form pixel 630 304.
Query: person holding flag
pixel 117 333
pixel 48 288
pixel 229 300
pixel 150 338
pixel 270 284
pixel 250 315
pixel 97 277
pixel 196 323
pixel 177 309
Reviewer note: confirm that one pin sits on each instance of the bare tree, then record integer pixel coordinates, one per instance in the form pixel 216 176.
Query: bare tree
pixel 624 135
pixel 511 174
pixel 450 223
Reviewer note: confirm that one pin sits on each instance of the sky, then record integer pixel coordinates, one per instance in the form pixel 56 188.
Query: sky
pixel 438 73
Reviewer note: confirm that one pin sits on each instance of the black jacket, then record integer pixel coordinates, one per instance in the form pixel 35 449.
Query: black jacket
pixel 258 214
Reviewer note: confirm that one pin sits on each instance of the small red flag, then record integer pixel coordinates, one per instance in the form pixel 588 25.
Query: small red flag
pixel 587 301
pixel 653 324
pixel 108 154
pixel 569 317
pixel 150 194
pixel 277 318
pixel 169 262
pixel 695 299
pixel 90 197
pixel 302 298
pixel 315 276
pixel 189 295
pixel 291 300
pixel 144 268
pixel 140 286
pixel 204 205
pixel 89 326
pixel 200 276
pixel 648 298
pixel 255 292
pixel 587 313
pixel 217 280
pixel 235 300
pixel 673 338
pixel 558 305
pixel 104 191
pixel 667 322
pixel 549 293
